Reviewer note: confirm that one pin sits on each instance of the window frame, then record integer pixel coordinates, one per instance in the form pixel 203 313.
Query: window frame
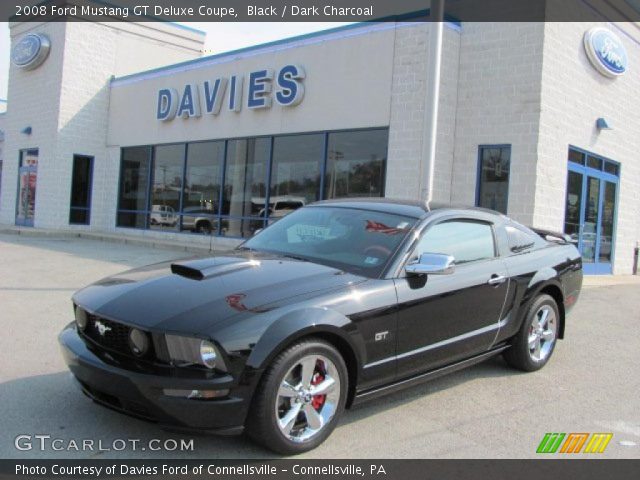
pixel 446 219
pixel 478 192
pixel 605 161
pixel 87 209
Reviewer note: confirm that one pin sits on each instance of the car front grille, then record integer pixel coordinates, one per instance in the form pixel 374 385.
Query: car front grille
pixel 112 335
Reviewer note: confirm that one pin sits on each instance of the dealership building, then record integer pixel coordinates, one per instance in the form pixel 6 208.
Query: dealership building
pixel 125 128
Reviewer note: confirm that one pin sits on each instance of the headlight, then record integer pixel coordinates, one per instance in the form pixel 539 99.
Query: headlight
pixel 185 351
pixel 208 354
pixel 138 342
pixel 81 318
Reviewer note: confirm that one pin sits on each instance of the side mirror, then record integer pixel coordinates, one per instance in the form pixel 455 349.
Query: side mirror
pixel 432 264
pixel 257 231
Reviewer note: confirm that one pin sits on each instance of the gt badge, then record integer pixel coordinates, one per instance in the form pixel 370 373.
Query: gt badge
pixel 381 336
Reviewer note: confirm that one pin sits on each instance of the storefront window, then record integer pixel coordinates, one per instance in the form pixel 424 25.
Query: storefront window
pixel 222 187
pixel 356 163
pixel 200 204
pixel 81 190
pixel 493 181
pixel 168 165
pixel 134 187
pixel 245 185
pixel 295 173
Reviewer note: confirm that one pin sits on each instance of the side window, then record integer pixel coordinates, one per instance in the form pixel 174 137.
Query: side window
pixel 466 240
pixel 519 240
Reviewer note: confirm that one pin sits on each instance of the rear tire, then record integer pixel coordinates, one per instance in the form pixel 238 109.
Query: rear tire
pixel 204 227
pixel 533 346
pixel 300 398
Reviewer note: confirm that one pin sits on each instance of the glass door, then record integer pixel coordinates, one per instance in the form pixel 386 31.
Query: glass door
pixel 588 240
pixel 27 180
pixel 607 222
pixel 590 209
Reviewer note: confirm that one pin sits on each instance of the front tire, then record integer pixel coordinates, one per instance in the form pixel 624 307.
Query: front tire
pixel 534 344
pixel 300 398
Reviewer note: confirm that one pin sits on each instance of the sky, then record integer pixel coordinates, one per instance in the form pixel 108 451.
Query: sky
pixel 221 37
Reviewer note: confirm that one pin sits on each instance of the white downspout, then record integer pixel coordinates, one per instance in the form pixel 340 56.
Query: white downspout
pixel 432 95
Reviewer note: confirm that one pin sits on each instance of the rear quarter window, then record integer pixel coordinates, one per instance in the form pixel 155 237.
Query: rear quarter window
pixel 521 239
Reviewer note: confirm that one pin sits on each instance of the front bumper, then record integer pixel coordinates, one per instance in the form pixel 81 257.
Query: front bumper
pixel 140 394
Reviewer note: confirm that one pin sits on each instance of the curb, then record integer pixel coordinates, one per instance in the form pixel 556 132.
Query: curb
pixel 116 238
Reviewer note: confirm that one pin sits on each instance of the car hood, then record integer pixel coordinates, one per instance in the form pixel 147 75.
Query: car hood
pixel 193 295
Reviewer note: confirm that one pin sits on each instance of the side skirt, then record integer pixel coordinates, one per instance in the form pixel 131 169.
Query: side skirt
pixel 377 392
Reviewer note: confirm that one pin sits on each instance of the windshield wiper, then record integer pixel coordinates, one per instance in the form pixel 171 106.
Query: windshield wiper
pixel 295 257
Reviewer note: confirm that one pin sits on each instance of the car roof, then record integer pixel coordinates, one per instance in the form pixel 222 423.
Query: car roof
pixel 407 207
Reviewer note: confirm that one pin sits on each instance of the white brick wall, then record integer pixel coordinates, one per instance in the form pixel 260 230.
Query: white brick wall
pixel 405 177
pixel 498 103
pixel 66 102
pixel 574 95
pixel 34 96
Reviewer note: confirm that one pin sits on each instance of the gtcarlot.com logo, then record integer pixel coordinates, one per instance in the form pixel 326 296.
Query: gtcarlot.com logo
pixel 573 442
pixel 44 442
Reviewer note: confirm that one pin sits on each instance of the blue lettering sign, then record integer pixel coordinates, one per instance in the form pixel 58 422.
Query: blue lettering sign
pixel 291 89
pixel 190 103
pixel 259 87
pixel 167 104
pixel 213 95
pixel 263 85
pixel 235 94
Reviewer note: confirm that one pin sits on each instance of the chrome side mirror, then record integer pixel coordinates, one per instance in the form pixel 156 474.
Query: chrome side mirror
pixel 432 264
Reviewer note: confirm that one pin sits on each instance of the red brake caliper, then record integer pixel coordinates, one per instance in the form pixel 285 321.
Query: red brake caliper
pixel 318 377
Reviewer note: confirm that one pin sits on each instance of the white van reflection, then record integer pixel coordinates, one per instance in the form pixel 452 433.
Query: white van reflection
pixel 281 206
pixel 163 215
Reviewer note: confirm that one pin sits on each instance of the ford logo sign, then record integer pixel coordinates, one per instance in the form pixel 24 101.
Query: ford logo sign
pixel 30 51
pixel 606 52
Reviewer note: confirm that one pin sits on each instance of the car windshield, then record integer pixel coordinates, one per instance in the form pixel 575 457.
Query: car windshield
pixel 358 241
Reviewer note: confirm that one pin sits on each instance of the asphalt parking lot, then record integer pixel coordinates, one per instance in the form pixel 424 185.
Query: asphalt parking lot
pixel 592 383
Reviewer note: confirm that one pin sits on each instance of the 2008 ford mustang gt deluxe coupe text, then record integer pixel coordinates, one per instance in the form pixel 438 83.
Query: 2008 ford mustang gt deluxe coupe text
pixel 336 303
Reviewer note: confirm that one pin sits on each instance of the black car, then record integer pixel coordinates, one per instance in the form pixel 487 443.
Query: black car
pixel 337 303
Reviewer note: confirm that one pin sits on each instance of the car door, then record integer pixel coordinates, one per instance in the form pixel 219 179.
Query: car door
pixel 445 318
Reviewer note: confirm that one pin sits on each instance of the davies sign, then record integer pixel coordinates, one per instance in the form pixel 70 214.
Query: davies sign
pixel 606 52
pixel 263 86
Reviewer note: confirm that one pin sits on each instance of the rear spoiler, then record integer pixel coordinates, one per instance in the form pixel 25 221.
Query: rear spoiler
pixel 555 237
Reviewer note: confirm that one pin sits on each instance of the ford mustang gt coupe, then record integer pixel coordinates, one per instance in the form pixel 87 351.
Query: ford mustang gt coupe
pixel 339 302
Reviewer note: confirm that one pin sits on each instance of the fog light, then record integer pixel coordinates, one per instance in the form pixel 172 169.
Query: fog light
pixel 81 318
pixel 138 342
pixel 208 354
pixel 195 394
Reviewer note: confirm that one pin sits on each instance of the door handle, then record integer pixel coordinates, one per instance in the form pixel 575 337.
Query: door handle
pixel 497 279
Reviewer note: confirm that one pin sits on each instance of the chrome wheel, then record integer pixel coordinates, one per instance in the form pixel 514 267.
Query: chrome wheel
pixel 542 333
pixel 308 398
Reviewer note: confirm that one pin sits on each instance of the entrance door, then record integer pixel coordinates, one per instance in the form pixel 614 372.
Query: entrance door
pixel 27 179
pixel 591 202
